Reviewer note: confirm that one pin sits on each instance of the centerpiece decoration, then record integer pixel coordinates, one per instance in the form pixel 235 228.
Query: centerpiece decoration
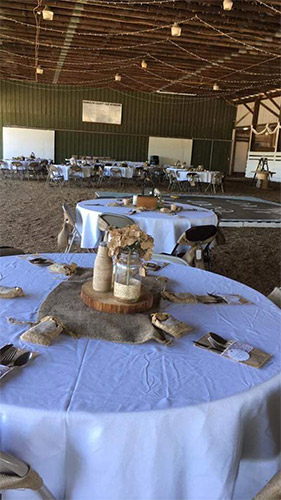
pixel 128 246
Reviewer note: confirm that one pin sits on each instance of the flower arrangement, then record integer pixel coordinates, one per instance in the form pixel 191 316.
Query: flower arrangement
pixel 130 239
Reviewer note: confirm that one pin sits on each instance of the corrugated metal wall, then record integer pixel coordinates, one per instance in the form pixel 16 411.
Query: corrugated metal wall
pixel 143 115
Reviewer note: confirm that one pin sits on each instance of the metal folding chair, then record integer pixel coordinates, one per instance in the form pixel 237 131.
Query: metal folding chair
pixel 109 221
pixel 197 238
pixel 16 474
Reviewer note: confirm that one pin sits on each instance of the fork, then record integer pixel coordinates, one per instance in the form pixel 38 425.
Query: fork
pixel 9 356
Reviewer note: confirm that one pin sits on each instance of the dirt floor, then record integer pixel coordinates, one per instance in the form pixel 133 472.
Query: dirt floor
pixel 31 217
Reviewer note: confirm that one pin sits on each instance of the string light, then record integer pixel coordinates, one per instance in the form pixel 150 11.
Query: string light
pixel 117 77
pixel 47 14
pixel 216 87
pixel 144 64
pixel 227 4
pixel 176 30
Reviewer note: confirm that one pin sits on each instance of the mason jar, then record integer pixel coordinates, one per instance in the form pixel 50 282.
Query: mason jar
pixel 127 279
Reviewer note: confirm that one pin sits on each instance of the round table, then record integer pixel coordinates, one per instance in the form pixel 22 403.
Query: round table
pixel 100 420
pixel 126 172
pixel 164 228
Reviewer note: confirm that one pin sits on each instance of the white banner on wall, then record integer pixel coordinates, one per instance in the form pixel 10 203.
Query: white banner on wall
pixel 102 112
pixel 20 141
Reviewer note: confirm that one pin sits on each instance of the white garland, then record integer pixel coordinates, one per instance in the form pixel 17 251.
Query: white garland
pixel 266 129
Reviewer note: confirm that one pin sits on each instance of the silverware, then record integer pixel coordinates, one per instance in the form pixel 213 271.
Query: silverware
pixel 22 360
pixel 4 349
pixel 218 297
pixel 217 341
pixel 9 356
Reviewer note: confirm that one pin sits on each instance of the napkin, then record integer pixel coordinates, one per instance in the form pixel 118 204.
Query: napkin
pixel 44 332
pixel 168 324
pixel 240 352
pixel 7 292
pixel 180 298
pixel 65 269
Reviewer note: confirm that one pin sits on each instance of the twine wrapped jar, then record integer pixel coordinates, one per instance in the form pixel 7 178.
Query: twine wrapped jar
pixel 102 269
pixel 127 279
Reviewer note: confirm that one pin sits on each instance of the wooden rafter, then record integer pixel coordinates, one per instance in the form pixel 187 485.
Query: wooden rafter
pixel 238 49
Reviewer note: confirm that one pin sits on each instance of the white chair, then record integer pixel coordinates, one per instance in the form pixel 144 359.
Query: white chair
pixel 55 175
pixel 275 296
pixel 169 258
pixel 75 234
pixel 16 474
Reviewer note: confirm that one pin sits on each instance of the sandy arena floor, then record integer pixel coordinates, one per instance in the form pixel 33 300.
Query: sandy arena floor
pixel 31 217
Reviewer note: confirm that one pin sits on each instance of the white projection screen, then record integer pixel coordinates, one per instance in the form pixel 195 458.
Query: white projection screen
pixel 19 141
pixel 102 112
pixel 170 149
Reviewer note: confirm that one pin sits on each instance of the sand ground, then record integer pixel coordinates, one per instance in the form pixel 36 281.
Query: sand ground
pixel 31 217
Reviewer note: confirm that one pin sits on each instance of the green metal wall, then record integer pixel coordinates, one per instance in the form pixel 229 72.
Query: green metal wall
pixel 143 115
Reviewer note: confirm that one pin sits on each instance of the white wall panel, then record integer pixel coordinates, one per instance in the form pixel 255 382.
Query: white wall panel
pixel 170 149
pixel 264 115
pixel 19 141
pixel 241 111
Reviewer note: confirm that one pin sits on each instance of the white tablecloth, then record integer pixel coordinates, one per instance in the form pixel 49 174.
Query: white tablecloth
pixel 24 163
pixel 183 175
pixel 65 171
pixel 126 172
pixel 164 228
pixel 105 421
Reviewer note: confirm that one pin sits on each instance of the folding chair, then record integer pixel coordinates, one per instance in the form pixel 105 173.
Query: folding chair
pixel 16 474
pixel 199 239
pixel 275 296
pixel 69 232
pixel 109 221
pixel 272 490
pixel 216 181
pixel 55 175
pixel 116 175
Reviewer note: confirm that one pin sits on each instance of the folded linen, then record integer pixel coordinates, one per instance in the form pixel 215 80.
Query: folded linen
pixel 189 298
pixel 66 269
pixel 7 292
pixel 44 332
pixel 170 325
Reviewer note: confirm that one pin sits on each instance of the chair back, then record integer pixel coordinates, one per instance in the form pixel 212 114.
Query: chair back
pixel 109 221
pixel 199 235
pixel 68 215
pixel 168 258
pixel 115 172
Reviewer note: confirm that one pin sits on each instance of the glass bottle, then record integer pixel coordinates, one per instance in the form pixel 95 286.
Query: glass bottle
pixel 127 279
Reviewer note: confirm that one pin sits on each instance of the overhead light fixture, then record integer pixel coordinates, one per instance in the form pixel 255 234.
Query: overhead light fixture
pixel 242 51
pixel 47 13
pixel 39 70
pixel 227 4
pixel 245 128
pixel 117 77
pixel 216 87
pixel 144 64
pixel 278 34
pixel 176 30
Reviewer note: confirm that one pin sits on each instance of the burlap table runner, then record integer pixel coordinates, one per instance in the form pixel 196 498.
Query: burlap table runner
pixel 65 303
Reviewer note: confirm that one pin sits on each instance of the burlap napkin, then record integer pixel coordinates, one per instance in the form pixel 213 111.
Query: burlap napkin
pixel 45 331
pixel 189 298
pixel 31 481
pixel 66 269
pixel 7 292
pixel 170 325
pixel 179 298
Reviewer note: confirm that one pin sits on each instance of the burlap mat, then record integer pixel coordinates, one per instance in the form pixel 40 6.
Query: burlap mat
pixel 66 304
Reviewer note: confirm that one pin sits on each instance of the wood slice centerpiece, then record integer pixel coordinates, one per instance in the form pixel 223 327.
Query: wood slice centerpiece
pixel 106 302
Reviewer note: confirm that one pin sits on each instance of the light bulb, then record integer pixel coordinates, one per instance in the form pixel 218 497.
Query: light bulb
pixel 144 64
pixel 227 4
pixel 47 13
pixel 39 70
pixel 176 30
pixel 117 78
pixel 216 87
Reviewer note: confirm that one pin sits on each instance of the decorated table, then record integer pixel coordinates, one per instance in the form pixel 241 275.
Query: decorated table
pixel 66 171
pixel 102 420
pixel 126 172
pixel 205 176
pixel 163 227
